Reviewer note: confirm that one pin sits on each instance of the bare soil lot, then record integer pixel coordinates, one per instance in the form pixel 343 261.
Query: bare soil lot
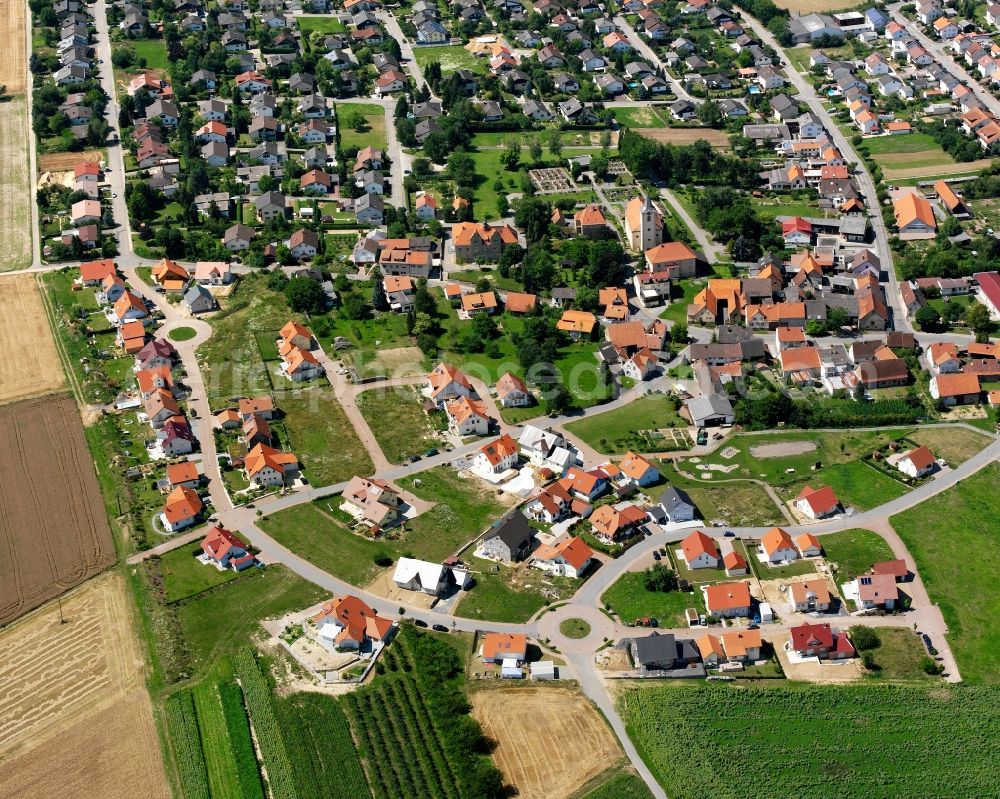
pixel 54 533
pixel 13 53
pixel 24 321
pixel 534 728
pixel 75 718
pixel 782 449
pixel 59 162
pixel 944 170
pixel 15 186
pixel 716 138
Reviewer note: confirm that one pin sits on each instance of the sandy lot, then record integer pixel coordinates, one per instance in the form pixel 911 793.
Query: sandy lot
pixel 53 528
pixel 75 718
pixel 15 185
pixel 783 449
pixel 716 138
pixel 534 727
pixel 13 54
pixel 399 362
pixel 24 321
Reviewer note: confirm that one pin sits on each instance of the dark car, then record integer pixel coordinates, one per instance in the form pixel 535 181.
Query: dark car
pixel 420 622
pixel 440 628
pixel 654 623
pixel 656 555
pixel 430 453
pixel 729 534
pixel 413 458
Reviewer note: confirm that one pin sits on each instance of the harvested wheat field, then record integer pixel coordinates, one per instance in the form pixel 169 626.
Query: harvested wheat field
pixel 22 321
pixel 75 718
pixel 13 54
pixel 535 728
pixel 681 136
pixel 936 170
pixel 54 532
pixel 15 185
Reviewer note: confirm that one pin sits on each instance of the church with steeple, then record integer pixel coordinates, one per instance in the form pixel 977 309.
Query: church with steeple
pixel 644 224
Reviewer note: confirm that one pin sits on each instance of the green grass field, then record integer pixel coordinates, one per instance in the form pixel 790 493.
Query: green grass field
pixel 955 540
pixel 374 134
pixel 856 484
pixel 614 431
pixel 814 742
pixel 320 434
pixel 398 422
pixel 623 785
pixel 629 598
pixel 639 118
pixel 494 598
pixel 740 502
pixel 770 207
pixel 219 622
pixel 231 360
pixel 854 551
pixel 223 779
pixel 153 50
pixel 184 575
pixel 322 25
pixel 451 58
pixel 898 656
pixel 910 143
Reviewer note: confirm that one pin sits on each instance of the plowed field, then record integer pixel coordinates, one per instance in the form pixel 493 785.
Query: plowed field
pixel 550 741
pixel 54 532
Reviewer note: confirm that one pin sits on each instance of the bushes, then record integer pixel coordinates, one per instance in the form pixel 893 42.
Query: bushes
pixel 182 724
pixel 864 637
pixel 238 728
pixel 260 707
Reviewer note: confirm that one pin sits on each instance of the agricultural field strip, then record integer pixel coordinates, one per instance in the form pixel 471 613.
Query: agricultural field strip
pixel 24 319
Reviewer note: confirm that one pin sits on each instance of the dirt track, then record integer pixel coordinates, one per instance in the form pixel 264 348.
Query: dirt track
pixel 550 741
pixel 24 328
pixel 53 527
pixel 13 57
pixel 75 718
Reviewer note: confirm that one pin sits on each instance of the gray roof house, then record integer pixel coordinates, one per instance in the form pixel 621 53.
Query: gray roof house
pixel 198 299
pixel 677 505
pixel 709 410
pixel 509 538
pixel 663 652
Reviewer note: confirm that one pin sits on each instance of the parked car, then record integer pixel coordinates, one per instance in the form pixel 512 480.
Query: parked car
pixel 430 453
pixel 440 628
pixel 656 555
pixel 729 534
pixel 420 622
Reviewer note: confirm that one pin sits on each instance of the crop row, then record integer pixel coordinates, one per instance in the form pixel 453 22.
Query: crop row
pixel 383 778
pixel 240 741
pixel 413 702
pixel 390 747
pixel 318 739
pixel 260 706
pixel 182 724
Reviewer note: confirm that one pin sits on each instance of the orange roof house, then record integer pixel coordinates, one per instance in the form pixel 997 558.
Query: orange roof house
pixel 181 508
pixel 728 599
pixel 951 200
pixel 573 550
pixel 914 216
pixel 170 275
pixel 349 622
pixel 299 335
pixel 639 469
pixel 700 551
pixel 734 563
pixel 94 272
pixel 577 323
pixel 517 302
pixel 512 390
pixel 817 503
pixel 483 302
pixel 268 465
pixel 610 523
pixel 808 545
pixel 742 644
pixel 446 382
pixel 590 220
pixel 777 545
pixel 499 450
pixel 183 473
pixel 501 646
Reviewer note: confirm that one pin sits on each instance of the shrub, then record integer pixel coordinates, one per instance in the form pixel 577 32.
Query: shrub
pixel 864 637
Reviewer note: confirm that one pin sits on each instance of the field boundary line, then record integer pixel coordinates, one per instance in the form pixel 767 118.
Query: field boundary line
pixel 75 387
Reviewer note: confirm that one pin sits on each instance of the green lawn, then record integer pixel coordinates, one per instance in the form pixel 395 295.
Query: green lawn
pixel 182 334
pixel 398 422
pixel 898 656
pixel 623 785
pixel 231 359
pixel 856 484
pixel 955 540
pixel 574 628
pixel 493 598
pixel 322 25
pixel 320 434
pixel 451 58
pixel 184 575
pixel 910 143
pixel 629 598
pixel 682 294
pixel 770 207
pixel 153 50
pixel 316 531
pixel 311 531
pixel 616 431
pixel 223 779
pixel 639 118
pixel 373 134
pixel 854 551
pixel 740 502
pixel 813 742
pixel 219 622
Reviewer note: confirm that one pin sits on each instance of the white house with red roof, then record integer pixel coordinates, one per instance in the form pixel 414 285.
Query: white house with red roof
pixel 819 641
pixel 496 457
pixel 699 551
pixel 512 391
pixel 446 383
pixel 917 462
pixel 776 546
pixel 349 623
pixel 566 557
pixel 226 550
pixel 817 503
